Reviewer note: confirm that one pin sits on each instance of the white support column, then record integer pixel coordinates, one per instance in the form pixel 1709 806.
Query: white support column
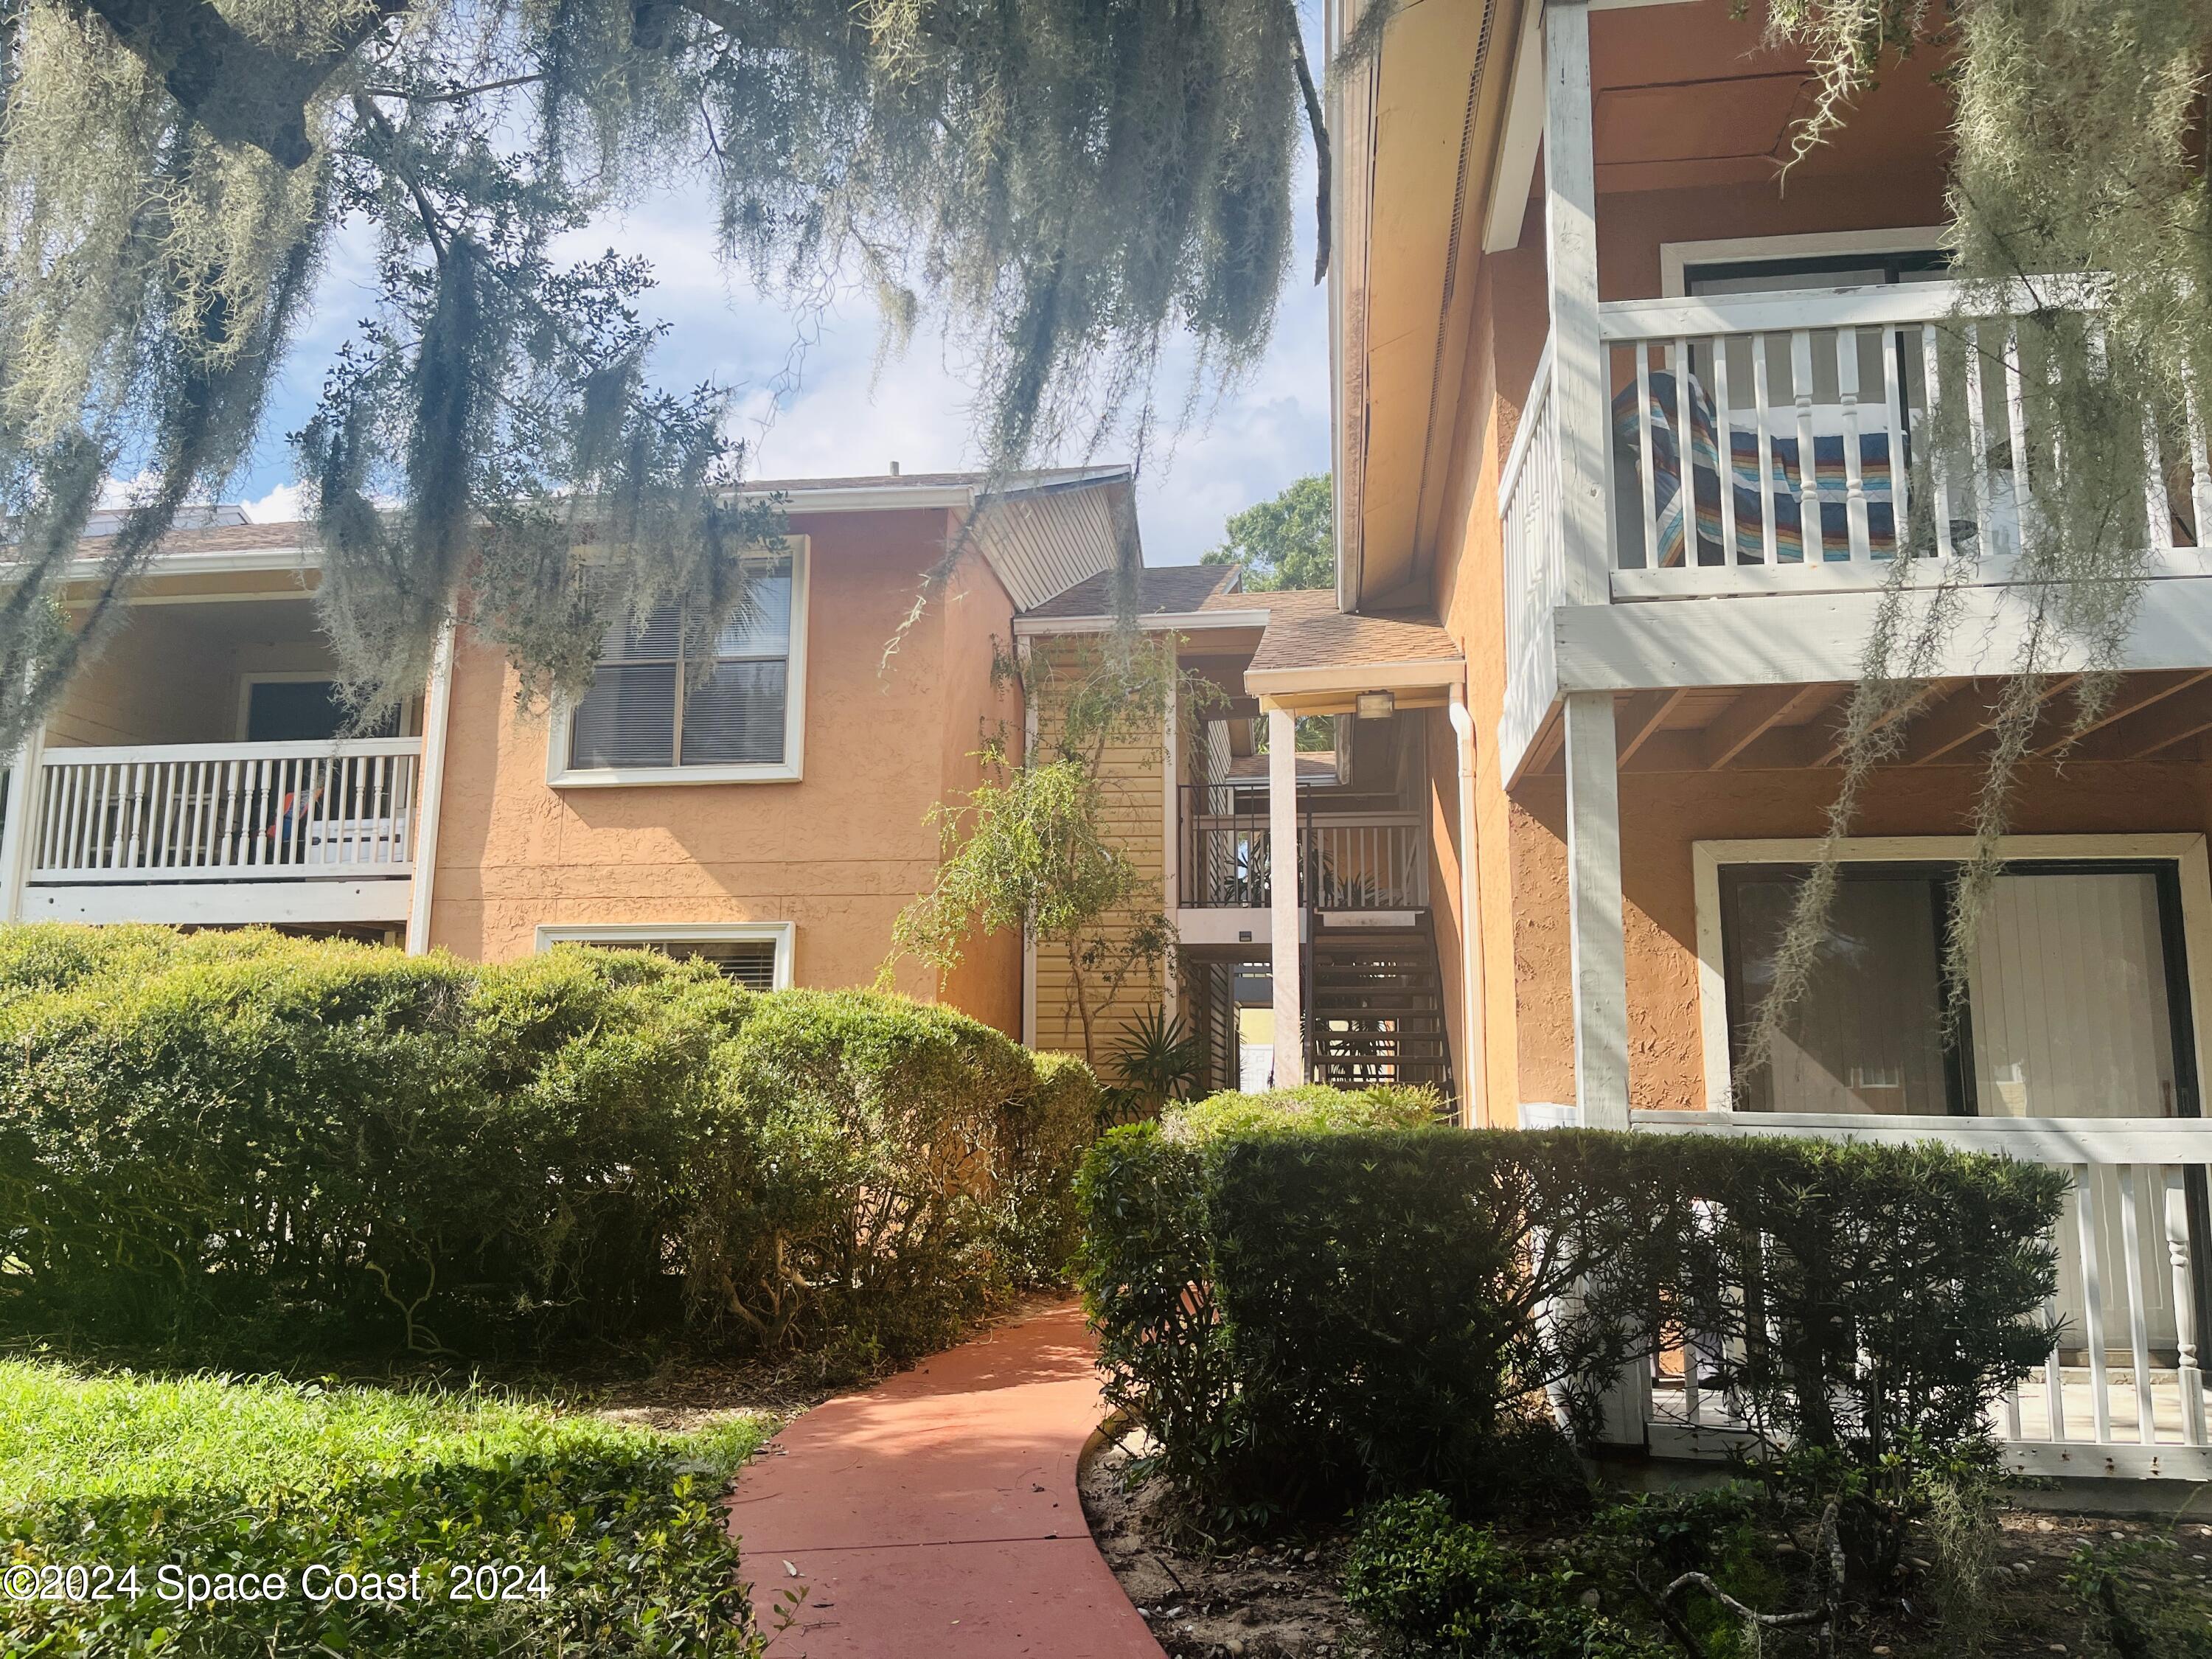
pixel 1474 1057
pixel 430 790
pixel 1283 855
pixel 1580 392
pixel 1171 841
pixel 1028 933
pixel 18 840
pixel 1594 910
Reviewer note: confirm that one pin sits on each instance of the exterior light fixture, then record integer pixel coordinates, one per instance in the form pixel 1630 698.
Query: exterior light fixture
pixel 1376 705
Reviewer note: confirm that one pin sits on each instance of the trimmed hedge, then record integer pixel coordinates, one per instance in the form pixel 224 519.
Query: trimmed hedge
pixel 1301 1307
pixel 266 1147
pixel 1867 1298
pixel 1440 1586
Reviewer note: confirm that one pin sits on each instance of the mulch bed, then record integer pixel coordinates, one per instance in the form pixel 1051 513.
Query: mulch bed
pixel 1280 1600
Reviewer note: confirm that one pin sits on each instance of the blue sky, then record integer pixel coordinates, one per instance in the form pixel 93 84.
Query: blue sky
pixel 846 417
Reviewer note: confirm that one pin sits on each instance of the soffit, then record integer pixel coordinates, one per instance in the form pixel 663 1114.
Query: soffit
pixel 1417 129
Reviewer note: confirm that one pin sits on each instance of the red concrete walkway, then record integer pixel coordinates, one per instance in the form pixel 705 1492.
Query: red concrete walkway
pixel 937 1515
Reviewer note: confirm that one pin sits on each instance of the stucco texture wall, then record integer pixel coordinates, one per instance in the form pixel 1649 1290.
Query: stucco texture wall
pixel 837 853
pixel 1663 813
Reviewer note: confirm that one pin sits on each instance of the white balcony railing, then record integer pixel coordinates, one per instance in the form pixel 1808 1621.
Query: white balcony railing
pixel 226 811
pixel 2123 1392
pixel 1771 443
pixel 1798 420
pixel 1535 557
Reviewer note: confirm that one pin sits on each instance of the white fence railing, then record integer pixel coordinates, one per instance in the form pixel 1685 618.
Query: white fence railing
pixel 2122 1392
pixel 226 811
pixel 1535 561
pixel 1767 442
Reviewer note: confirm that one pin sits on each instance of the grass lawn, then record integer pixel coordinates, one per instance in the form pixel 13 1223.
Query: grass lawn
pixel 222 1515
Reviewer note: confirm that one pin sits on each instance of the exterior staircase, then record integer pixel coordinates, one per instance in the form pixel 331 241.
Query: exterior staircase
pixel 1376 1007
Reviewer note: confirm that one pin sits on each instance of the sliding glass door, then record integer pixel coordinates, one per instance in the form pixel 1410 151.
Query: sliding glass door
pixel 2074 1004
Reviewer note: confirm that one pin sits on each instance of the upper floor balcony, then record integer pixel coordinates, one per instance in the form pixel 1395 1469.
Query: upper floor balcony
pixel 1357 862
pixel 203 772
pixel 1753 471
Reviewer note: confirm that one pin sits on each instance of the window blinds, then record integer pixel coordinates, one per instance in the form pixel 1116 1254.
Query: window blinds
pixel 649 706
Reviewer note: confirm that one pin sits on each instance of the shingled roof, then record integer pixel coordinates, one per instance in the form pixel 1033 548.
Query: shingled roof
pixel 1163 590
pixel 1306 630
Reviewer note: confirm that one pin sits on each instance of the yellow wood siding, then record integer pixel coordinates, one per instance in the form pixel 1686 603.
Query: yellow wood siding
pixel 1132 783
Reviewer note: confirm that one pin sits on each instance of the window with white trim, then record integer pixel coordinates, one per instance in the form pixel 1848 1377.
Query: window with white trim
pixel 757 956
pixel 654 707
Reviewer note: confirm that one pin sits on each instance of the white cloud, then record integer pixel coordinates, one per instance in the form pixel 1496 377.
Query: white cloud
pixel 811 399
pixel 279 506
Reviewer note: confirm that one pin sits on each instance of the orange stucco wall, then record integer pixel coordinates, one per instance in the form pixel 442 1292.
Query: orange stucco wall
pixel 837 853
pixel 1663 813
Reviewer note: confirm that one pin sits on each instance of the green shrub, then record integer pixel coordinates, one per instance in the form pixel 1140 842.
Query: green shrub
pixel 1039 1227
pixel 1372 1294
pixel 1440 1586
pixel 1300 1309
pixel 1297 1304
pixel 1804 1255
pixel 251 1146
pixel 326 1143
pixel 862 1196
pixel 1145 1269
pixel 1311 1110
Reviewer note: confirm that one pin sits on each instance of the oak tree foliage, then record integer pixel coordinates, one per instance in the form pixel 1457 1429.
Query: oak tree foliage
pixel 1065 185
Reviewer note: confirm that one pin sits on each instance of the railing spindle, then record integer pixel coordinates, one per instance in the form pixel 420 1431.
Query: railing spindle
pixel 1809 466
pixel 2187 1371
pixel 1765 421
pixel 2138 1313
pixel 1984 482
pixel 2092 1297
pixel 1847 397
pixel 2024 485
pixel 2200 474
pixel 1939 475
pixel 1723 448
pixel 1648 495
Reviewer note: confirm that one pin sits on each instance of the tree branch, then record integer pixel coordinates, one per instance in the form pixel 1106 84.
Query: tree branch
pixel 1320 127
pixel 237 89
pixel 453 95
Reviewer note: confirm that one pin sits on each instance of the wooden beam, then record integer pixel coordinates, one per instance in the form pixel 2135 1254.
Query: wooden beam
pixel 1642 716
pixel 1830 752
pixel 2173 720
pixel 2135 693
pixel 1544 747
pixel 1753 714
pixel 1964 717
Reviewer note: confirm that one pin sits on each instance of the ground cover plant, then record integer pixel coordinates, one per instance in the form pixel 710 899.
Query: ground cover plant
pixel 490 1524
pixel 241 1149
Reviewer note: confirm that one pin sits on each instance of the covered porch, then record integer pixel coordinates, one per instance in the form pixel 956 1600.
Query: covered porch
pixel 204 772
pixel 2074 1035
